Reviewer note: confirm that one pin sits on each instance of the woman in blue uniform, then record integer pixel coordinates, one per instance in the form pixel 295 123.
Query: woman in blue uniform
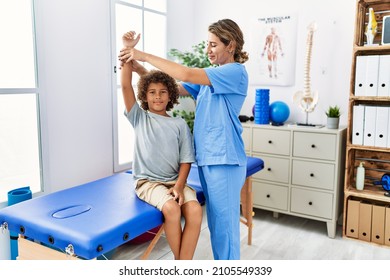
pixel 220 93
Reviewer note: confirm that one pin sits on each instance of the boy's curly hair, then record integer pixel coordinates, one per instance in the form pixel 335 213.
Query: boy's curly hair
pixel 156 76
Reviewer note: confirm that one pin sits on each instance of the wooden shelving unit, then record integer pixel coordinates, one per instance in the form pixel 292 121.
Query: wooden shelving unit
pixel 376 159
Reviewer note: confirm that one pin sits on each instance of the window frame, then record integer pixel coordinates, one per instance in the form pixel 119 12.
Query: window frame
pixel 35 91
pixel 120 167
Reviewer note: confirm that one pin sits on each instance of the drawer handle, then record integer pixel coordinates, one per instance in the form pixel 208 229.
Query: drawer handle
pixel 269 168
pixel 268 195
pixel 269 141
pixel 313 146
pixel 311 174
pixel 310 203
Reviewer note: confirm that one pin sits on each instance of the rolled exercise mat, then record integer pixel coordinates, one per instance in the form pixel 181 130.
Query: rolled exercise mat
pixel 261 111
pixel 16 196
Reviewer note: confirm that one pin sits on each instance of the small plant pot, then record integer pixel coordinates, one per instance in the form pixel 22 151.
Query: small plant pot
pixel 332 123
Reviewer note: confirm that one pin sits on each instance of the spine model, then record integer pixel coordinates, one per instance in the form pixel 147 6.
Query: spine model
pixel 306 99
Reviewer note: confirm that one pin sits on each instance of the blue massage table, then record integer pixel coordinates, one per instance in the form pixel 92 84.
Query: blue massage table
pixel 87 221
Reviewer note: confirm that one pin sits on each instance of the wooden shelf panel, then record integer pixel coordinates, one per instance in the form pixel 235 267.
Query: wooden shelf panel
pixel 368 194
pixel 370 100
pixel 368 148
pixel 376 1
pixel 380 49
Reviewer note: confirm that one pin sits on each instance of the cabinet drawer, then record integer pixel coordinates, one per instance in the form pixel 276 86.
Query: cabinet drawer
pixel 311 203
pixel 314 145
pixel 270 141
pixel 313 174
pixel 275 170
pixel 268 195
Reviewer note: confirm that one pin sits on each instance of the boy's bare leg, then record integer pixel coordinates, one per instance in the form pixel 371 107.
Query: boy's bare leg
pixel 192 213
pixel 172 226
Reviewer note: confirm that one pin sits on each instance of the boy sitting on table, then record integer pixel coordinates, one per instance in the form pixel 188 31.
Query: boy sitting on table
pixel 163 153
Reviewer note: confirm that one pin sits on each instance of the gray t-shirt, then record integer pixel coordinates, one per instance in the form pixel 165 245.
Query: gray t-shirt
pixel 161 145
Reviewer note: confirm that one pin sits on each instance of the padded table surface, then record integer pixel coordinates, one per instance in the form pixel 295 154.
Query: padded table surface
pixel 95 217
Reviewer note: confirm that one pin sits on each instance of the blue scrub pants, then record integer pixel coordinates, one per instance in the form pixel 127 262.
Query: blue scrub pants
pixel 222 186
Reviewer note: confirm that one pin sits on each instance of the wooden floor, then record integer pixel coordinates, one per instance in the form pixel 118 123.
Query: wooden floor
pixel 283 238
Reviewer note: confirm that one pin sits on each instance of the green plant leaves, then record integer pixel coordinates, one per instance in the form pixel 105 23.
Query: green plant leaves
pixel 333 112
pixel 189 117
pixel 197 58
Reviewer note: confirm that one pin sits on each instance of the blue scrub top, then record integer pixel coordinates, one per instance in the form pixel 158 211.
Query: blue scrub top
pixel 217 128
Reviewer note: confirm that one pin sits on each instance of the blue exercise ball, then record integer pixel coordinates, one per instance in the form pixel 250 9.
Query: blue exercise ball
pixel 278 112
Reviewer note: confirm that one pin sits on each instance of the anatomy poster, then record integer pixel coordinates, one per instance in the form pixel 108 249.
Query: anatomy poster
pixel 273 50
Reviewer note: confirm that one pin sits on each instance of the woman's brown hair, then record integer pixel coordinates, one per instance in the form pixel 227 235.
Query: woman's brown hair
pixel 228 31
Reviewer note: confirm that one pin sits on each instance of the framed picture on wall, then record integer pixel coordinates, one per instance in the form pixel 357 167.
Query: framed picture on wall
pixel 273 50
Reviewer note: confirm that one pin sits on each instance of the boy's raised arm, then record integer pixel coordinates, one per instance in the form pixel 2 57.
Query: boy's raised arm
pixel 129 40
pixel 127 87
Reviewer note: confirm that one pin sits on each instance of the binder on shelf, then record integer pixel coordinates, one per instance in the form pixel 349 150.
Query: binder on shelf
pixel 381 126
pixel 360 75
pixel 353 218
pixel 372 75
pixel 358 125
pixel 384 76
pixel 387 226
pixel 378 224
pixel 388 130
pixel 366 75
pixel 365 214
pixel 369 126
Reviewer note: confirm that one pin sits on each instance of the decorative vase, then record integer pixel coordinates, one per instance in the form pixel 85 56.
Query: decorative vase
pixel 332 123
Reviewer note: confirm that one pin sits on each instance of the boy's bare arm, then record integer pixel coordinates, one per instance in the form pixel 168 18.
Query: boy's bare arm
pixel 177 190
pixel 183 174
pixel 127 87
pixel 129 39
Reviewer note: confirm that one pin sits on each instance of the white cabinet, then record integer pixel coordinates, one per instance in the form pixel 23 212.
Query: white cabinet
pixel 303 171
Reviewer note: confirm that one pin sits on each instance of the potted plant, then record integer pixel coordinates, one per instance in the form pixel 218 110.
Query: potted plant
pixel 333 113
pixel 197 58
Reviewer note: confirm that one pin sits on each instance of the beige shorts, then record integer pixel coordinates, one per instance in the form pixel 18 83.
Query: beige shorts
pixel 156 193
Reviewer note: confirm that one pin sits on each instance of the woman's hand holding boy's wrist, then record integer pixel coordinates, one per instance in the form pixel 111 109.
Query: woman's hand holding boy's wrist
pixel 128 54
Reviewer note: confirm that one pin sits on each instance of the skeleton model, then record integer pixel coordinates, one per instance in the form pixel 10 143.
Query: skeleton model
pixel 306 99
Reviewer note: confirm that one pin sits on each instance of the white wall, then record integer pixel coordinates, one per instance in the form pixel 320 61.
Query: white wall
pixel 73 40
pixel 181 24
pixel 332 46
